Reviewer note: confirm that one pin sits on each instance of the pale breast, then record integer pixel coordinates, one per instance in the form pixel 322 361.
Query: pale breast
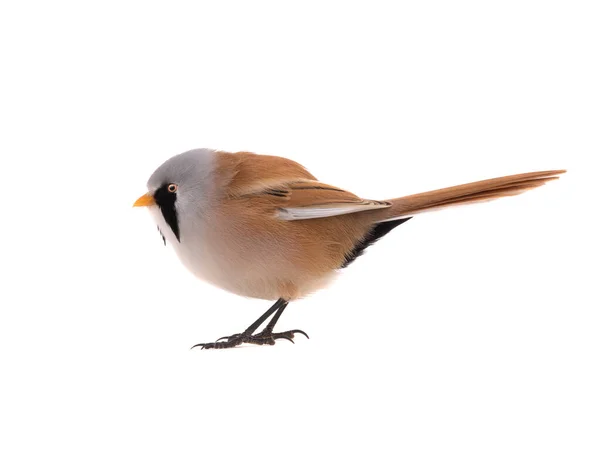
pixel 266 263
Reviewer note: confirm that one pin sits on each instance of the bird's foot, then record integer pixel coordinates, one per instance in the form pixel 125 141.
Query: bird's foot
pixel 266 337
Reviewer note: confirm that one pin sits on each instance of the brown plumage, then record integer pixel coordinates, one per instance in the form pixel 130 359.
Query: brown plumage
pixel 295 231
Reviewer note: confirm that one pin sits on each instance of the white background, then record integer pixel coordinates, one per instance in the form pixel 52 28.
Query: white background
pixel 471 329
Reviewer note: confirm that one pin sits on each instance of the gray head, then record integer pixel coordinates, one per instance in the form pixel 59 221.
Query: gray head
pixel 180 187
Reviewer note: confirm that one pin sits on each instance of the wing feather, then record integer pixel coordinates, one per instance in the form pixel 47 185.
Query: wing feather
pixel 288 189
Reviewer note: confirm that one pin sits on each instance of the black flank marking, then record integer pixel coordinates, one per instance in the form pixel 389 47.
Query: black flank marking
pixel 377 232
pixel 166 202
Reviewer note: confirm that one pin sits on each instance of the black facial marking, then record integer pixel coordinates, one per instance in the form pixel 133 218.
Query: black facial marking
pixel 377 232
pixel 166 202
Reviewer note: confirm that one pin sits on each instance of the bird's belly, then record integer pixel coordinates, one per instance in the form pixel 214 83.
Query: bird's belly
pixel 258 276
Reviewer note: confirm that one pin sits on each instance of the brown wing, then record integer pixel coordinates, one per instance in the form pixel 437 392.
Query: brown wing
pixel 289 188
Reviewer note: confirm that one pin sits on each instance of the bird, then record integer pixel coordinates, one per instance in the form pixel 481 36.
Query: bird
pixel 262 226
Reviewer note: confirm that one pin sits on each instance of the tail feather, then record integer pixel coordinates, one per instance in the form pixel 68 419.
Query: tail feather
pixel 484 190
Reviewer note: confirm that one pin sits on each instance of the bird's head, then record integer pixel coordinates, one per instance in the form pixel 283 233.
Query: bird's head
pixel 179 190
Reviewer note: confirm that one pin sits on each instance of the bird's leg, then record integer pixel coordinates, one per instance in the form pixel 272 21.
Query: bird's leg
pixel 269 337
pixel 237 339
pixel 266 336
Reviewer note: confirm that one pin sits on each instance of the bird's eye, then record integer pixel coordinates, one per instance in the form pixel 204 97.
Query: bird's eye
pixel 172 188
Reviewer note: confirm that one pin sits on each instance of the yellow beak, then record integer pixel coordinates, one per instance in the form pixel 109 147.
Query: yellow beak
pixel 146 200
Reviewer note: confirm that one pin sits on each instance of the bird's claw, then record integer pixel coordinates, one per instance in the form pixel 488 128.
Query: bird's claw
pixel 266 337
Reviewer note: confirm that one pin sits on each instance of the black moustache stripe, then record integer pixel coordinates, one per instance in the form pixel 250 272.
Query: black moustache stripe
pixel 166 202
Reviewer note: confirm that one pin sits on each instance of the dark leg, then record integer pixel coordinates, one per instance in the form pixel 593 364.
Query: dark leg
pixel 270 337
pixel 266 336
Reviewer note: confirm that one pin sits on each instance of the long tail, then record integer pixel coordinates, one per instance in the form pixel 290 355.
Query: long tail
pixel 481 191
